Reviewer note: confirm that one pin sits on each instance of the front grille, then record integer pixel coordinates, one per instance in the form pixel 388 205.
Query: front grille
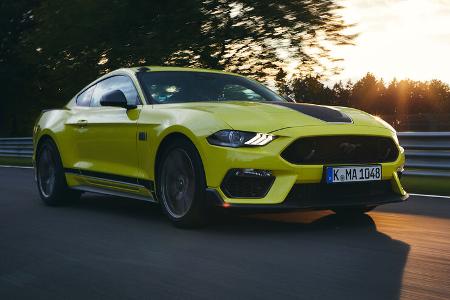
pixel 238 185
pixel 341 149
pixel 328 195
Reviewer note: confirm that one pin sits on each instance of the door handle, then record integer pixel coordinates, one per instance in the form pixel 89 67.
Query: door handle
pixel 82 123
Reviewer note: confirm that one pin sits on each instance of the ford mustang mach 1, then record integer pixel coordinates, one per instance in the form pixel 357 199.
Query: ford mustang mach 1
pixel 194 139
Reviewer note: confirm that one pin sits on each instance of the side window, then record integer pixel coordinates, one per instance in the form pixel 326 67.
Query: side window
pixel 84 99
pixel 164 93
pixel 239 92
pixel 122 83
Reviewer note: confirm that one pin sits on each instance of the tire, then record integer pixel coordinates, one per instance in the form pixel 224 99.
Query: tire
pixel 181 184
pixel 51 180
pixel 352 210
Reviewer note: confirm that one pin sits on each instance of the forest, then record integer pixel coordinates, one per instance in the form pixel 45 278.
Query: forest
pixel 407 105
pixel 50 49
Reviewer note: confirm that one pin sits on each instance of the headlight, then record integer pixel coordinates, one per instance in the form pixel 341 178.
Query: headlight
pixel 235 138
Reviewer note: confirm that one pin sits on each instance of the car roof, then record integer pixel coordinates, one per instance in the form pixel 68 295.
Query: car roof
pixel 177 69
pixel 134 70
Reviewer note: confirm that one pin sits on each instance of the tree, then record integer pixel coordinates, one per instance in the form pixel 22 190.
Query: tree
pixel 70 43
pixel 367 93
pixel 282 84
pixel 311 90
pixel 15 18
pixel 341 93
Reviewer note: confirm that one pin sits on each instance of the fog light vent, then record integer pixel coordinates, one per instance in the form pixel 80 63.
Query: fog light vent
pixel 247 183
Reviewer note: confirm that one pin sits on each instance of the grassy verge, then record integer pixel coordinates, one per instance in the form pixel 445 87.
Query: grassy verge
pixel 427 185
pixel 15 161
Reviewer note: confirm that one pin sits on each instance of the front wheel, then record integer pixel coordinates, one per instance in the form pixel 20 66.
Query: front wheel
pixel 51 181
pixel 181 184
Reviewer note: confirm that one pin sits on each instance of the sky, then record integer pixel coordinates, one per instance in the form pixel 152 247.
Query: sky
pixel 397 38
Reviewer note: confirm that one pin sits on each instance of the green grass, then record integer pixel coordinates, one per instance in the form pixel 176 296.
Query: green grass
pixel 15 161
pixel 427 185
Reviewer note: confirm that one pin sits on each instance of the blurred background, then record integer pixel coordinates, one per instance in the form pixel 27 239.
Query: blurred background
pixel 387 57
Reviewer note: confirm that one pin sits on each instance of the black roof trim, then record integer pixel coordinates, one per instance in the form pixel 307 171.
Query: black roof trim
pixel 143 69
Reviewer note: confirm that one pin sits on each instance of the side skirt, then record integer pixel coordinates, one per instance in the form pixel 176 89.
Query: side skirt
pixel 110 184
pixel 110 192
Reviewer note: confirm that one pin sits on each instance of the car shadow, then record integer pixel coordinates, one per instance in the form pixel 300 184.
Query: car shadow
pixel 348 254
pixel 124 207
pixel 307 254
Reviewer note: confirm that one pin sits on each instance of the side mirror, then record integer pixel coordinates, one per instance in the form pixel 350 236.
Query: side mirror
pixel 115 98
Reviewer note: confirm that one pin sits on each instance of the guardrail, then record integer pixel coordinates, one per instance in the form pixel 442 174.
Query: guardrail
pixel 16 147
pixel 427 153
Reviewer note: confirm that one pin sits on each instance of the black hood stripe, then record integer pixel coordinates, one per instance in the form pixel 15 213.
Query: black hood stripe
pixel 319 112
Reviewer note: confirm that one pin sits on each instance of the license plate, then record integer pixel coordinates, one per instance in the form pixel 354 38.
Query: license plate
pixel 353 174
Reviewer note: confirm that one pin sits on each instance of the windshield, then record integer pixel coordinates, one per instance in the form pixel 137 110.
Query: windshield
pixel 184 86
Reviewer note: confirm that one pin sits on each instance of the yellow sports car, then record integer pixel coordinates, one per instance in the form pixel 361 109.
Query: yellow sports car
pixel 195 139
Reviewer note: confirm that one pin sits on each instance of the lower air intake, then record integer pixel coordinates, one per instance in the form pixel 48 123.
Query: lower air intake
pixel 331 195
pixel 247 183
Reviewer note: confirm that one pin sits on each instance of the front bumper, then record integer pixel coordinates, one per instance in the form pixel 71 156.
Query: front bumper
pixel 321 197
pixel 218 161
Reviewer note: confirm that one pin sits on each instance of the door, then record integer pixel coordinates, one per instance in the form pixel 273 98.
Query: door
pixel 107 136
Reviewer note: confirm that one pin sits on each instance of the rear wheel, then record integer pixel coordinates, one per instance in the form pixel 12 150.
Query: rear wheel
pixel 352 210
pixel 181 184
pixel 51 180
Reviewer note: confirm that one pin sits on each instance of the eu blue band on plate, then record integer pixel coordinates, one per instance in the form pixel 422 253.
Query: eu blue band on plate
pixel 329 175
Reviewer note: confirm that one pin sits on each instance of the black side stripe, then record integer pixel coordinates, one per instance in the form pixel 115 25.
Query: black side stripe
pixel 148 184
pixel 316 111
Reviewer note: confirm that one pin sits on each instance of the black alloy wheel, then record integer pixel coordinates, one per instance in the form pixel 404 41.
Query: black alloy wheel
pixel 50 177
pixel 181 184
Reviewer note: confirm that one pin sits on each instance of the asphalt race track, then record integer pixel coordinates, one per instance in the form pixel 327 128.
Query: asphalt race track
pixel 112 248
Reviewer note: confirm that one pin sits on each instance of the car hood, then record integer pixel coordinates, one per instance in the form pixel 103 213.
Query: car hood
pixel 268 117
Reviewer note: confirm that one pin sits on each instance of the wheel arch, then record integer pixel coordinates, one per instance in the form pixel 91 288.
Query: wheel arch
pixel 45 136
pixel 38 141
pixel 165 142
